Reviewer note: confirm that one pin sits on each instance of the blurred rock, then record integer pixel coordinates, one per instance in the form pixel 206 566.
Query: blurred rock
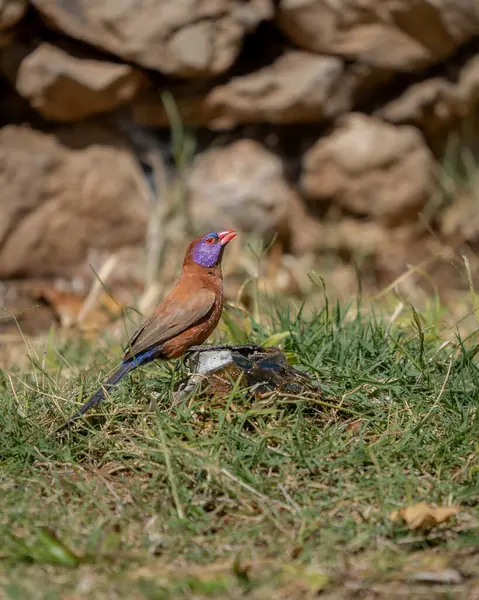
pixel 19 306
pixel 184 38
pixel 373 244
pixel 297 87
pixel 358 237
pixel 11 11
pixel 370 168
pixel 459 222
pixel 64 87
pixel 243 185
pixel 305 232
pixel 434 103
pixel 62 196
pixel 394 34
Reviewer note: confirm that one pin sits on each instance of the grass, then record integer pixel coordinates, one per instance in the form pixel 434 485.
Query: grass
pixel 284 499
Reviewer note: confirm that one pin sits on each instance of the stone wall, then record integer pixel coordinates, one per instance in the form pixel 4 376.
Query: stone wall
pixel 324 122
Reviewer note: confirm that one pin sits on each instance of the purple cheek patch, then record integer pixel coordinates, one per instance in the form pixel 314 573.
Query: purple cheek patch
pixel 207 255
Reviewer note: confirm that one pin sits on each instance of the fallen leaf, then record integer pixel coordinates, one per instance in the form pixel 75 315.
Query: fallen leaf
pixel 423 515
pixel 68 307
pixel 354 426
pixel 65 305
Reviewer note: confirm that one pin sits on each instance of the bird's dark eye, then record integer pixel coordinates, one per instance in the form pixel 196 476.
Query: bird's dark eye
pixel 210 241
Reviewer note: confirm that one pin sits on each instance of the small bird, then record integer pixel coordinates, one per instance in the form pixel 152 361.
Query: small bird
pixel 185 318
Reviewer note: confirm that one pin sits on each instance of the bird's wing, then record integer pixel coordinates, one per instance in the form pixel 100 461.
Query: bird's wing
pixel 172 317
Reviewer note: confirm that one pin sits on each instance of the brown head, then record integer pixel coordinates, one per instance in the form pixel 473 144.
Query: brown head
pixel 207 250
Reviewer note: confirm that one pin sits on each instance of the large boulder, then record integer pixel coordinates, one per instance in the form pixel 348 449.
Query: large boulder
pixel 297 87
pixel 11 11
pixel 370 168
pixel 65 87
pixel 63 197
pixel 401 35
pixel 459 221
pixel 243 186
pixel 435 103
pixel 186 38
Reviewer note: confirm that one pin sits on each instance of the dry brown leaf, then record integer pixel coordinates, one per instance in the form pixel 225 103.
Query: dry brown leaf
pixel 423 515
pixel 354 426
pixel 67 307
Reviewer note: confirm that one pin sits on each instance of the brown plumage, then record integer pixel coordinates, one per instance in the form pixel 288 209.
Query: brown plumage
pixel 186 317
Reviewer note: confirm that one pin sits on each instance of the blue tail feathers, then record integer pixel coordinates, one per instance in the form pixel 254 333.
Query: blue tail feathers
pixel 99 395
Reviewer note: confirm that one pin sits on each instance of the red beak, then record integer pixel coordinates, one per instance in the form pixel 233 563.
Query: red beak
pixel 226 236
